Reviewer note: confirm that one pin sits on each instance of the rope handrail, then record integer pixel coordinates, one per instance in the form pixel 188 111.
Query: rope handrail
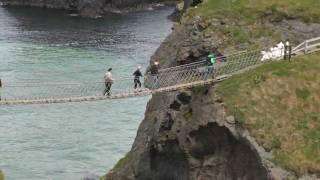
pixel 168 79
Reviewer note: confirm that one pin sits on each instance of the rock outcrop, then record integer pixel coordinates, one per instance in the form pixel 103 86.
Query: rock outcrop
pixel 86 8
pixel 180 140
pixel 187 134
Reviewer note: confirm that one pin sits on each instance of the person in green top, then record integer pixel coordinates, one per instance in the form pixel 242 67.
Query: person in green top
pixel 211 61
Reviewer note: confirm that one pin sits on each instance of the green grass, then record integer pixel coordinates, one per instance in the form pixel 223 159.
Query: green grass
pixel 1 175
pixel 250 10
pixel 279 103
pixel 241 21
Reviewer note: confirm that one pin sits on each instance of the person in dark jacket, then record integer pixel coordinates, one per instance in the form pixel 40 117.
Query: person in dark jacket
pixel 137 74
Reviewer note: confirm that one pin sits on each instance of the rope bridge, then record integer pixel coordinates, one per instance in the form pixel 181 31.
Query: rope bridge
pixel 168 79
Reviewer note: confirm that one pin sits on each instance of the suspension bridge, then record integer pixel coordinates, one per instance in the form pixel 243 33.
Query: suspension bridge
pixel 168 79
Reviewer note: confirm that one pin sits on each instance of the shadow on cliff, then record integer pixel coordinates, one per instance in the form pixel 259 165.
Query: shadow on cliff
pixel 222 156
pixel 212 152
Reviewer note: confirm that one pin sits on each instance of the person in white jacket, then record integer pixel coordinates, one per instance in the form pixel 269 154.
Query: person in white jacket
pixel 108 82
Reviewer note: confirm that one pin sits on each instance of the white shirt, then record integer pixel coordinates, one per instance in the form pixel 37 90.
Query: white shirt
pixel 108 77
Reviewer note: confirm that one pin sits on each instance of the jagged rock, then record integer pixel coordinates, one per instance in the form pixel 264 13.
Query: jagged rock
pixel 203 142
pixel 90 8
pixel 184 98
pixel 199 146
pixel 86 8
pixel 295 30
pixel 175 106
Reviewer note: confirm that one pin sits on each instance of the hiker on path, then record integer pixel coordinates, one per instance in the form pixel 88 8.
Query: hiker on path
pixel 108 82
pixel 137 74
pixel 211 60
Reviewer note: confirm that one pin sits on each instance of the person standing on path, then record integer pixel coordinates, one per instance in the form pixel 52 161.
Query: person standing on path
pixel 108 82
pixel 137 74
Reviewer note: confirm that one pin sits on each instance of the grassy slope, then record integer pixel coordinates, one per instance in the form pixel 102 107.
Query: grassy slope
pixel 244 18
pixel 1 175
pixel 244 23
pixel 279 103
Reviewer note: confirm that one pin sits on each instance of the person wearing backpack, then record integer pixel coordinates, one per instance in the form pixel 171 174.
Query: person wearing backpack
pixel 137 74
pixel 108 82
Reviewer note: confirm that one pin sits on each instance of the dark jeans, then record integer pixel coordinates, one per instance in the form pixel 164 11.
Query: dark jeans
pixel 107 89
pixel 209 72
pixel 136 83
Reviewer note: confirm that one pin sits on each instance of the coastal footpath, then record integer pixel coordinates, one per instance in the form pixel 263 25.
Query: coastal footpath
pixel 88 8
pixel 261 124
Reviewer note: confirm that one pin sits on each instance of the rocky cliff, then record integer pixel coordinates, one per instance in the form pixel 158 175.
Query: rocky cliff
pixel 86 8
pixel 192 134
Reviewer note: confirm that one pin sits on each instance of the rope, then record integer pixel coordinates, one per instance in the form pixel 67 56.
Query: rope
pixel 168 79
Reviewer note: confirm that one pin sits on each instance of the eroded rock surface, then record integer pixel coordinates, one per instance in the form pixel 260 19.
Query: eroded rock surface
pixel 86 8
pixel 187 134
pixel 193 143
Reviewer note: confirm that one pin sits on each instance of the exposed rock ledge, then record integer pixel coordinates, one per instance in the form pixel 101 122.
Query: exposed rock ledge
pixel 88 8
pixel 187 135
pixel 183 141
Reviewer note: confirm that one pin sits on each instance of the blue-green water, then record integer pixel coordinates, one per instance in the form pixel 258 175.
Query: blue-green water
pixel 67 141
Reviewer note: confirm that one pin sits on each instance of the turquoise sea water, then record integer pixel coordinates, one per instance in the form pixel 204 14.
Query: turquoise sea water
pixel 68 141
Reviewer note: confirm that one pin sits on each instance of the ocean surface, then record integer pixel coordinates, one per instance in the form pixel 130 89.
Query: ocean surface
pixel 69 141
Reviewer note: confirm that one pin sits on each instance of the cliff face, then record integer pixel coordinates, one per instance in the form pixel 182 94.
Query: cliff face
pixel 186 135
pixel 190 134
pixel 86 8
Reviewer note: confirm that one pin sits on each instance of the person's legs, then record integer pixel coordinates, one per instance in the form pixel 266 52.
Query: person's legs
pixel 153 84
pixel 108 88
pixel 105 89
pixel 139 82
pixel 209 72
pixel 155 81
pixel 135 83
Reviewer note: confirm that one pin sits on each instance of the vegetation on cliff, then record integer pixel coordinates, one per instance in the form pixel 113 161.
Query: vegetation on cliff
pixel 235 22
pixel 279 104
pixel 1 175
